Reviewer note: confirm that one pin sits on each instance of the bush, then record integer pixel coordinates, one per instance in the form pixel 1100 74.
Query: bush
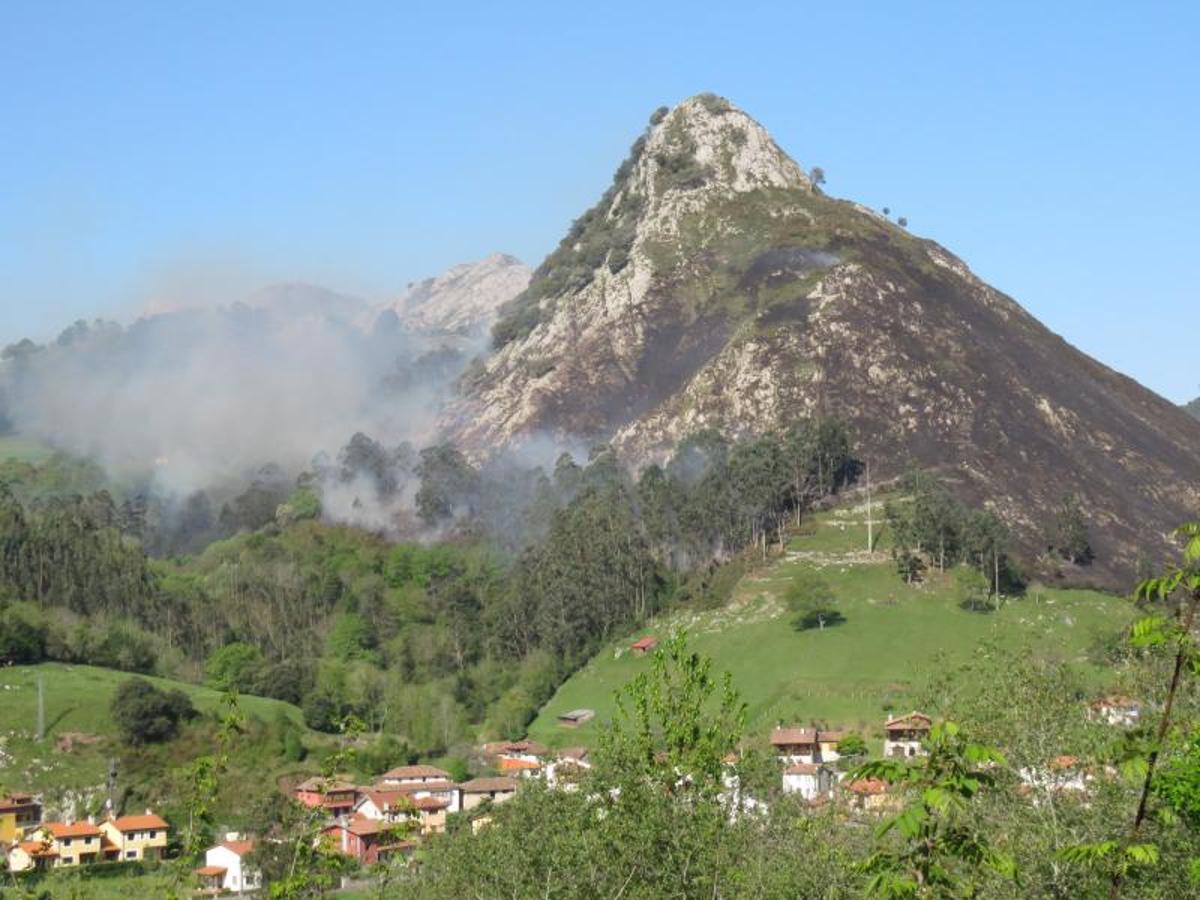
pixel 233 666
pixel 21 641
pixel 145 714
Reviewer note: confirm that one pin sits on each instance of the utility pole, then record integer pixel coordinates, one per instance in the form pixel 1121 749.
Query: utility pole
pixel 41 714
pixel 870 521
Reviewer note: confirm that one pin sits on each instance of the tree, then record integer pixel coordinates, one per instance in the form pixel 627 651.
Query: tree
pixel 1177 589
pixel 232 666
pixel 971 588
pixel 817 176
pixel 1071 538
pixel 940 851
pixel 813 601
pixel 902 222
pixel 145 714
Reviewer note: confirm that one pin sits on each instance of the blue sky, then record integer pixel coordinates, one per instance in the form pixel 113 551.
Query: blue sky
pixel 162 149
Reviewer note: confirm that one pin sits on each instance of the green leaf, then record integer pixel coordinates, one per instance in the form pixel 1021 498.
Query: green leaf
pixel 1148 632
pixel 1142 854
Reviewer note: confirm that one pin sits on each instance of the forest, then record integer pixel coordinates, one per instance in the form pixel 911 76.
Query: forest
pixel 514 577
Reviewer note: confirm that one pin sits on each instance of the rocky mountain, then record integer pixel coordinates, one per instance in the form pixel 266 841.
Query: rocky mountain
pixel 714 285
pixel 1193 407
pixel 462 300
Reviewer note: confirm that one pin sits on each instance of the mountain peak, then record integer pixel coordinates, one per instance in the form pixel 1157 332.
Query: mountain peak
pixel 712 138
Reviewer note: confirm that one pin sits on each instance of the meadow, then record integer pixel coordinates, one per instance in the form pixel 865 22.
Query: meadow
pixel 850 675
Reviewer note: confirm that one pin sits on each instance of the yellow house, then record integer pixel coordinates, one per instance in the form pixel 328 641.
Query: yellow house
pixel 135 837
pixel 19 814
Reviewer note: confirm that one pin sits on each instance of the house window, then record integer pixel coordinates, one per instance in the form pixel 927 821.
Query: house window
pixel 152 834
pixel 66 842
pixel 68 860
pixel 130 854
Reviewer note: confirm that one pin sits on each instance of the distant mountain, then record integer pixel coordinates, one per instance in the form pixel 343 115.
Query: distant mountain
pixel 1193 407
pixel 715 285
pixel 307 300
pixel 464 299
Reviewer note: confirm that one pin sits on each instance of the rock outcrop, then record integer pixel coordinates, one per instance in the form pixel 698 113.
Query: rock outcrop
pixel 464 299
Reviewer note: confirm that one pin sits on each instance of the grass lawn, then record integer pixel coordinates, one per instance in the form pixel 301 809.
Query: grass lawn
pixel 77 701
pixel 23 449
pixel 893 637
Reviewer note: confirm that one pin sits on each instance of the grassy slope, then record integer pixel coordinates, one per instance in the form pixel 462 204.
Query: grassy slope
pixel 78 700
pixel 891 640
pixel 23 450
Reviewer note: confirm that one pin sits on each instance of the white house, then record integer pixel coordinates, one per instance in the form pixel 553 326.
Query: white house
pixel 809 780
pixel 906 736
pixel 518 759
pixel 1061 775
pixel 226 869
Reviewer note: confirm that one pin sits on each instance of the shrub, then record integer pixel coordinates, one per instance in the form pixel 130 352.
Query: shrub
pixel 144 714
pixel 233 666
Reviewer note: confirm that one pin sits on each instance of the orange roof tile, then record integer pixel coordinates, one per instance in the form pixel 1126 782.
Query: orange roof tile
pixel 75 829
pixel 239 848
pixel 416 772
pixel 518 765
pixel 867 786
pixel 210 871
pixel 139 823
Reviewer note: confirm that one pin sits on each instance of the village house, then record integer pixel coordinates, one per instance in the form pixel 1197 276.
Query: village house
pixel 806 745
pixel 643 646
pixel 519 759
pixel 226 869
pixel 1061 775
pixel 906 736
pixel 412 775
pixel 58 845
pixel 19 813
pixel 1116 710
pixel 367 840
pixel 810 780
pixel 336 795
pixel 427 812
pixel 497 790
pixel 568 767
pixel 870 795
pixel 442 789
pixel 135 837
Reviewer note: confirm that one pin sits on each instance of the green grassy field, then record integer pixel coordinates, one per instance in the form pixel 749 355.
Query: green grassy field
pixel 77 700
pixel 893 637
pixel 22 449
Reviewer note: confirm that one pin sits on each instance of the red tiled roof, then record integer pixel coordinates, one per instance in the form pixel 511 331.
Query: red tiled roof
pixel 416 772
pixel 139 823
pixel 1064 762
pixel 802 769
pixel 76 829
pixel 239 848
pixel 533 748
pixel 575 754
pixel 517 765
pixel 210 871
pixel 783 737
pixel 38 848
pixel 1116 700
pixel 429 804
pixel 867 786
pixel 913 721
pixel 497 785
pixel 16 801
pixel 646 643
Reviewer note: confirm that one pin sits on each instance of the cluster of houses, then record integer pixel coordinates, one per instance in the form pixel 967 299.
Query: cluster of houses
pixel 808 756
pixel 31 843
pixel 391 815
pixel 388 817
